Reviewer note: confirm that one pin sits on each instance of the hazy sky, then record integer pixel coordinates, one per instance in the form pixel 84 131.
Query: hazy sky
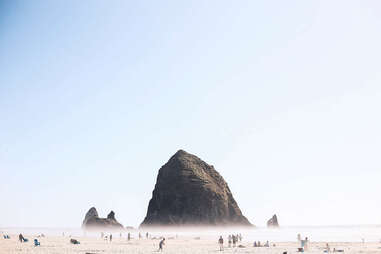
pixel 282 97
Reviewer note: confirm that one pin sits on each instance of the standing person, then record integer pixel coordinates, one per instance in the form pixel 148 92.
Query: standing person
pixel 240 237
pixel 234 240
pixel 328 248
pixel 230 241
pixel 221 243
pixel 140 236
pixel 110 237
pixel 21 238
pixel 147 235
pixel 162 242
pixel 129 236
pixel 306 244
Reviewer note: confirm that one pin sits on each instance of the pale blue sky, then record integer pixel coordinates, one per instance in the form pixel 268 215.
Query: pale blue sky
pixel 282 97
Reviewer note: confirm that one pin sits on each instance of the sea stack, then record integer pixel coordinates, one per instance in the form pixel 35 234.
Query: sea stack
pixel 190 192
pixel 273 222
pixel 93 222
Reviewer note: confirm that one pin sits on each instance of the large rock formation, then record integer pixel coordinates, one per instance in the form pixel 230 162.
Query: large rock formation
pixel 92 221
pixel 273 222
pixel 190 192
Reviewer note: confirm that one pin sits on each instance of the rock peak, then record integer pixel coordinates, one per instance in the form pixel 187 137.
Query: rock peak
pixel 92 213
pixel 181 154
pixel 111 215
pixel 273 222
pixel 189 191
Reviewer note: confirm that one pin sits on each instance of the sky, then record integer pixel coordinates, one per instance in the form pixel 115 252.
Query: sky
pixel 282 97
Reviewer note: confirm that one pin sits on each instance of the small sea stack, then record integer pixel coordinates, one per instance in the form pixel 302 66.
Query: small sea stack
pixel 190 192
pixel 92 221
pixel 273 222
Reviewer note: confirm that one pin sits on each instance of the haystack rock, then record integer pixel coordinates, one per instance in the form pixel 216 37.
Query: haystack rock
pixel 92 221
pixel 273 222
pixel 189 192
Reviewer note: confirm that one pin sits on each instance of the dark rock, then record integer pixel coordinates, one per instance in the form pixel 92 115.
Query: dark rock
pixel 190 192
pixel 111 216
pixel 92 221
pixel 273 222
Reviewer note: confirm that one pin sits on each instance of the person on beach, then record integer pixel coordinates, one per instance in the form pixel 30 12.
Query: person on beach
pixel 230 241
pixel 328 249
pixel 304 244
pixel 147 235
pixel 162 242
pixel 129 236
pixel 234 239
pixel 110 237
pixel 140 236
pixel 255 244
pixel 221 243
pixel 21 238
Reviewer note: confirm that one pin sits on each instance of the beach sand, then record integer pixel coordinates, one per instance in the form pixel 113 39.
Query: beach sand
pixel 185 245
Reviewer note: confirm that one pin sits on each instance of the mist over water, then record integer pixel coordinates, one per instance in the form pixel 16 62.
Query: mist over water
pixel 370 233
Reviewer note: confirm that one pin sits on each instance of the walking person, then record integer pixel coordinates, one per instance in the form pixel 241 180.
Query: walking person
pixel 161 244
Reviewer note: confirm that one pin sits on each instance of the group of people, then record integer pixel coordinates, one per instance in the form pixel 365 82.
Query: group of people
pixel 258 244
pixel 22 239
pixel 303 243
pixel 232 241
pixel 109 237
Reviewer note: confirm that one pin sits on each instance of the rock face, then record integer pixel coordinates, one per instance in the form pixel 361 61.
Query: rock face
pixel 273 222
pixel 92 221
pixel 190 192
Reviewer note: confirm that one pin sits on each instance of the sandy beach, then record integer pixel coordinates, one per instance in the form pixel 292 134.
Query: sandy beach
pixel 181 244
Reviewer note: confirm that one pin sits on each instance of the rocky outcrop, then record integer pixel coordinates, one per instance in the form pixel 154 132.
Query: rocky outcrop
pixel 111 216
pixel 92 221
pixel 273 222
pixel 188 191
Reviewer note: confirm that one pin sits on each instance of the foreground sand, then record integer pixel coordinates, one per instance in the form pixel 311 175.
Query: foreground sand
pixel 61 245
